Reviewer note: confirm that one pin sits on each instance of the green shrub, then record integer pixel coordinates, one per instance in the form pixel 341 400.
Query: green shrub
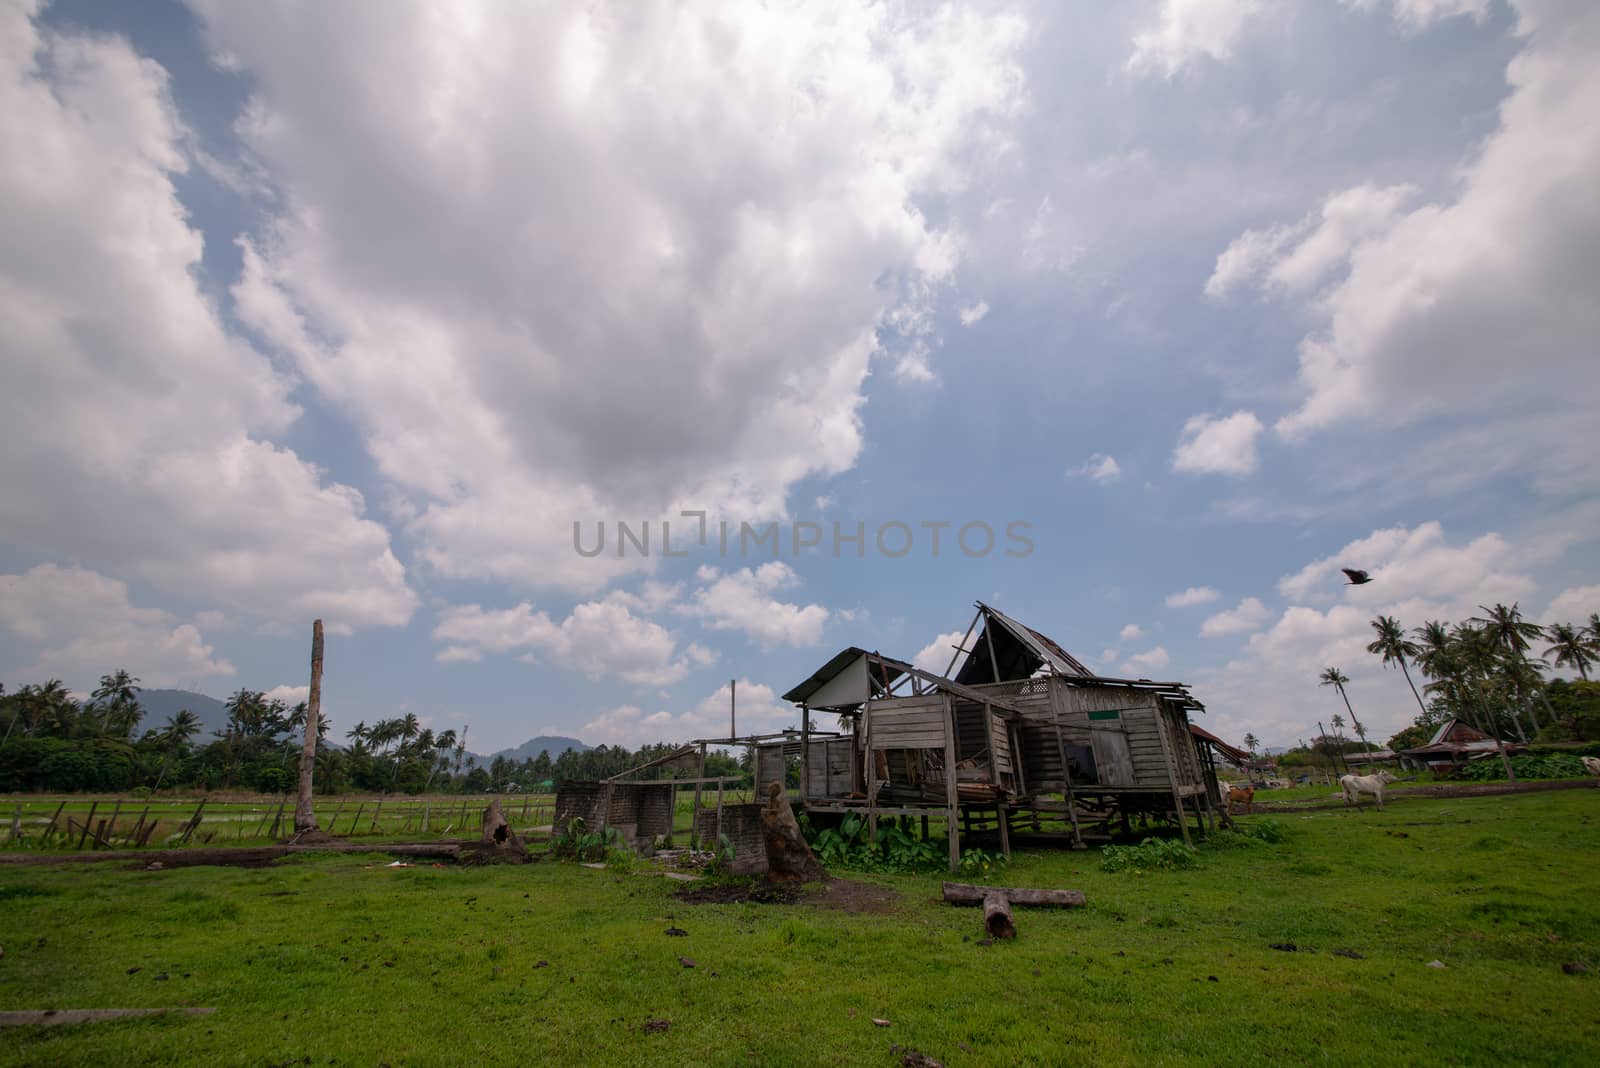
pixel 1527 766
pixel 1153 854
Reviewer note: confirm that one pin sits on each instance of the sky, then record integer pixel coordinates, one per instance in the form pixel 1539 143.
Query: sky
pixel 570 361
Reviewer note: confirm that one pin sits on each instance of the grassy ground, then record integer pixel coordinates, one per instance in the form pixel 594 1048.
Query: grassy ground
pixel 341 960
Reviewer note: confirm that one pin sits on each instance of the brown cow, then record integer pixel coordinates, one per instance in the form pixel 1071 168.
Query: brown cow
pixel 1243 795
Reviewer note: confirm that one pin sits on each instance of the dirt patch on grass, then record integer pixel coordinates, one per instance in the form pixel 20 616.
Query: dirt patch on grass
pixel 846 895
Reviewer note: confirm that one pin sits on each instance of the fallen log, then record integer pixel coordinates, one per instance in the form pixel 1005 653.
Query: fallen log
pixel 967 894
pixel 997 915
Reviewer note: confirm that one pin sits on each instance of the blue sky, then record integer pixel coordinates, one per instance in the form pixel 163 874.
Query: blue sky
pixel 352 312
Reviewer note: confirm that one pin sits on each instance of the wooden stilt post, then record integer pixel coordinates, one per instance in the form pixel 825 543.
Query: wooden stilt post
pixel 951 803
pixel 1172 772
pixel 805 754
pixel 694 811
pixel 872 772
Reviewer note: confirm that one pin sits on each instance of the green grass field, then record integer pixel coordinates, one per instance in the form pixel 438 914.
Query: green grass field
pixel 341 960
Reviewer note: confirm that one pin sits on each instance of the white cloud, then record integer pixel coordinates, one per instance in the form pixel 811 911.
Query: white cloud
pixel 758 710
pixel 599 638
pixel 85 626
pixel 1192 596
pixel 1249 614
pixel 1573 605
pixel 937 654
pixel 1223 446
pixel 742 600
pixel 138 428
pixel 913 366
pixel 1132 632
pixel 1186 30
pixel 973 314
pixel 1098 467
pixel 290 695
pixel 1479 303
pixel 1417 15
pixel 1149 660
pixel 543 310
pixel 1295 259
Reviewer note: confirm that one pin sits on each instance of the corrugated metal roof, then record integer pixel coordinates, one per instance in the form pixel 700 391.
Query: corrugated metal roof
pixel 1019 651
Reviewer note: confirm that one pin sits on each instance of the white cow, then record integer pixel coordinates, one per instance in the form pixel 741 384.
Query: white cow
pixel 1356 785
pixel 1592 763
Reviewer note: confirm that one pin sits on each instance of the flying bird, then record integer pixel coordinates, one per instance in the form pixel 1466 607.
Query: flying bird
pixel 1357 578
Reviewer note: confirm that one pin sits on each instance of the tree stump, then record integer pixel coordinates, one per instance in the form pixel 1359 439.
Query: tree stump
pixel 498 844
pixel 789 858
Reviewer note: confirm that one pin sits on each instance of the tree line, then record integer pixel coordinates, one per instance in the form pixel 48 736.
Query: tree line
pixel 52 742
pixel 1485 671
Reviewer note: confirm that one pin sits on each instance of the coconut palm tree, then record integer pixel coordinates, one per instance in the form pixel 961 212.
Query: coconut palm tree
pixel 1250 743
pixel 1591 631
pixel 1569 648
pixel 116 702
pixel 181 727
pixel 1507 627
pixel 1395 648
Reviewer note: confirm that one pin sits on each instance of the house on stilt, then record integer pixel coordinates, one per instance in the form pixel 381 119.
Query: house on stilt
pixel 1016 737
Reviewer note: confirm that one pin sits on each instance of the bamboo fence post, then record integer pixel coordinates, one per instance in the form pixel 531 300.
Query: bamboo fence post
pixel 50 828
pixel 84 837
pixel 356 819
pixel 111 827
pixel 194 822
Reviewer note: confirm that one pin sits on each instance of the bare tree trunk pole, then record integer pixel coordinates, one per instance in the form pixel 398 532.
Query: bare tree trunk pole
pixel 304 818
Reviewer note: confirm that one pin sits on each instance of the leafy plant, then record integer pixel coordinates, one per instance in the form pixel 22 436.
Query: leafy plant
pixel 722 859
pixel 1527 766
pixel 1153 854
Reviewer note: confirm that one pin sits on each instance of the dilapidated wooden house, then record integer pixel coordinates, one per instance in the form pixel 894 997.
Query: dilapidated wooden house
pixel 1014 735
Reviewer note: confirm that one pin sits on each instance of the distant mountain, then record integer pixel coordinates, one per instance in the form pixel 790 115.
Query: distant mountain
pixel 161 705
pixel 530 749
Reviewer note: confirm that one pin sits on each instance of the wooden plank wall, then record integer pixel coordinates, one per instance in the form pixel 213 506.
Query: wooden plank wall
pixel 909 722
pixel 831 768
pixel 769 765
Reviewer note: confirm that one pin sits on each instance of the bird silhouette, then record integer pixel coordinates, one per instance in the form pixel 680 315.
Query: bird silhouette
pixel 1357 578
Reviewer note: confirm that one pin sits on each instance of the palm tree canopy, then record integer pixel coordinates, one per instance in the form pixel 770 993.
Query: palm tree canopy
pixel 1568 648
pixel 1392 642
pixel 1333 677
pixel 1508 627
